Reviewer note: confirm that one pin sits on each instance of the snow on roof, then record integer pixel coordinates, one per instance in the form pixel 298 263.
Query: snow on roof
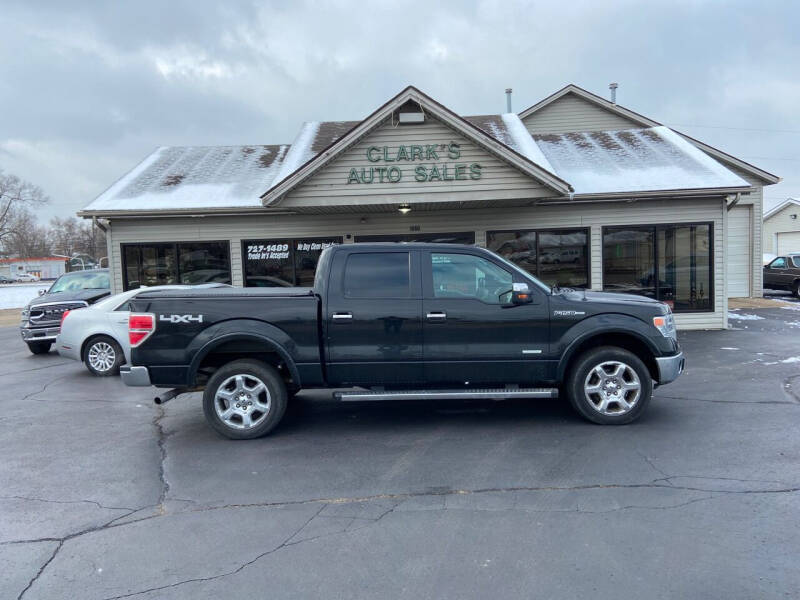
pixel 300 152
pixel 633 160
pixel 195 177
pixel 523 142
pixel 508 129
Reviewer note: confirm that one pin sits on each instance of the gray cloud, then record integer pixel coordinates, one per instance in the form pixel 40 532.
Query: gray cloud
pixel 88 89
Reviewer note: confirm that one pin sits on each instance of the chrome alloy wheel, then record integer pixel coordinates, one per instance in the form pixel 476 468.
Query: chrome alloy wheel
pixel 101 356
pixel 612 388
pixel 242 401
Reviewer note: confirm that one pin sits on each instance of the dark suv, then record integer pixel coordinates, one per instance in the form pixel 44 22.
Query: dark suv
pixel 783 273
pixel 41 318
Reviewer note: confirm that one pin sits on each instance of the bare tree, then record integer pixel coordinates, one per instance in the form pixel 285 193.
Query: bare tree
pixel 26 238
pixel 16 196
pixel 70 236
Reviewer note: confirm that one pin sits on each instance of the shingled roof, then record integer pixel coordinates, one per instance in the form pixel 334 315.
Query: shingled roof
pixel 236 177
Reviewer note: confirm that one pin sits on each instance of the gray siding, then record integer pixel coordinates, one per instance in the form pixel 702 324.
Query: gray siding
pixel 756 200
pixel 780 222
pixel 330 186
pixel 593 216
pixel 572 113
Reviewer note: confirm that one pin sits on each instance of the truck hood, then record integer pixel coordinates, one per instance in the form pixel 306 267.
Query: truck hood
pixel 90 296
pixel 607 297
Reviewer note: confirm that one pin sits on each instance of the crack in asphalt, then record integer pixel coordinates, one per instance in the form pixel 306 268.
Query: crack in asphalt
pixel 282 545
pixel 653 466
pixel 61 541
pixel 44 387
pixel 399 498
pixel 59 364
pixel 690 399
pixel 35 499
pixel 41 570
pixel 161 438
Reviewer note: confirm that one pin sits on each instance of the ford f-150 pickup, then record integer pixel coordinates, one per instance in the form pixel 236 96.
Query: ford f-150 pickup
pixel 399 321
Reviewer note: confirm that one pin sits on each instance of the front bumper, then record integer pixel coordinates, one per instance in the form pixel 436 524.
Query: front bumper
pixel 669 367
pixel 39 334
pixel 134 376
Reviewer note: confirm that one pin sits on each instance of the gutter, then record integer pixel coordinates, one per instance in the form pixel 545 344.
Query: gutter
pixel 185 212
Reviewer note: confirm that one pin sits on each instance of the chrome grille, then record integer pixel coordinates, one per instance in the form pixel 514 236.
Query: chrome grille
pixel 51 312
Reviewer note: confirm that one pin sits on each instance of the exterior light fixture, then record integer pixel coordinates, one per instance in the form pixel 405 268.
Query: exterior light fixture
pixel 404 208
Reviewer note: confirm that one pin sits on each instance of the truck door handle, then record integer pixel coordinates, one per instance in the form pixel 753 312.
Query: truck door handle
pixel 342 316
pixel 437 316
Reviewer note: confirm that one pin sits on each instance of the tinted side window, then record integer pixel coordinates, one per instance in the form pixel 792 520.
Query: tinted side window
pixel 796 261
pixel 468 276
pixel 377 275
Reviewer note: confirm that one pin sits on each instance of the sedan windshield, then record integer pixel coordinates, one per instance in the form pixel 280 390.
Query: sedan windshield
pixel 82 280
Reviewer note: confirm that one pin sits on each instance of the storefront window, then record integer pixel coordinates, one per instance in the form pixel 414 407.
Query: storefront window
pixel 557 257
pixel 204 262
pixel 283 263
pixel 671 263
pixel 185 262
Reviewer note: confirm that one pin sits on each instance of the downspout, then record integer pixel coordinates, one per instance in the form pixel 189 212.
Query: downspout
pixel 735 201
pixel 98 223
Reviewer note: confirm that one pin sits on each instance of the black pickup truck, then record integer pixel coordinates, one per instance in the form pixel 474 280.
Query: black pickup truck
pixel 402 322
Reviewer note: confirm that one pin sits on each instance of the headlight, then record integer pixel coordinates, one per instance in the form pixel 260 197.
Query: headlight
pixel 26 313
pixel 666 325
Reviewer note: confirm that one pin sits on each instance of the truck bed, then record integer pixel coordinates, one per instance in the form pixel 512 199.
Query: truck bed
pixel 188 321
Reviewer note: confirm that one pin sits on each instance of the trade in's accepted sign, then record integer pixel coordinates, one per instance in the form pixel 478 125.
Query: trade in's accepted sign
pixel 407 155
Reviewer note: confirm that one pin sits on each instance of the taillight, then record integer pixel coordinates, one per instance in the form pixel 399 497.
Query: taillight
pixel 63 316
pixel 140 327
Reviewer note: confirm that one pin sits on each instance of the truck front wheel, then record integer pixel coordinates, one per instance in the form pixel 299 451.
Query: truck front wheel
pixel 245 399
pixel 39 347
pixel 609 386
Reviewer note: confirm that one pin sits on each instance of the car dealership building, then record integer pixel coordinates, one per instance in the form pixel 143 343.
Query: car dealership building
pixel 579 191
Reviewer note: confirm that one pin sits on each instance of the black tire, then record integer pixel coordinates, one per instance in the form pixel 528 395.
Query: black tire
pixel 796 289
pixel 106 347
pixel 39 347
pixel 586 403
pixel 223 380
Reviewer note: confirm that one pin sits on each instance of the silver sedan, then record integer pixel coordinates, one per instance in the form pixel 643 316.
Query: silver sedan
pixel 98 334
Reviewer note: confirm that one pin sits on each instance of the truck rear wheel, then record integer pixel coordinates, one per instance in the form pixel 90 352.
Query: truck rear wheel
pixel 245 399
pixel 609 386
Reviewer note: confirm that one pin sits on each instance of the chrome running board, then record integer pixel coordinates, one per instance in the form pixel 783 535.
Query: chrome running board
pixel 476 394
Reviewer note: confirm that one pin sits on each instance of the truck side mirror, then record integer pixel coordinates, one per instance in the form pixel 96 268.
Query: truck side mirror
pixel 521 294
pixel 42 292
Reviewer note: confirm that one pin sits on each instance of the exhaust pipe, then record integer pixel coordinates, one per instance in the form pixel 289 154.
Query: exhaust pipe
pixel 168 395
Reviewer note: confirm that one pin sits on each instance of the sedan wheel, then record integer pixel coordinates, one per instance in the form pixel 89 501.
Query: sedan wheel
pixel 103 357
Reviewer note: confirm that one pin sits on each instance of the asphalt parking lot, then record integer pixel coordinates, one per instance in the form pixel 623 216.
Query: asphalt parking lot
pixel 104 495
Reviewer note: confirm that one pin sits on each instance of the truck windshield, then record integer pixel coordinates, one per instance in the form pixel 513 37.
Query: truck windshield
pixel 82 280
pixel 523 272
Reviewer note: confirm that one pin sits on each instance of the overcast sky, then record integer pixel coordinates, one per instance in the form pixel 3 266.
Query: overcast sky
pixel 88 89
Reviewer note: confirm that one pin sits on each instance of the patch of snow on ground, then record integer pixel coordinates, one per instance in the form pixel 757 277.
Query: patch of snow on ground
pixel 727 348
pixel 791 359
pixel 17 296
pixel 744 317
pixel 790 307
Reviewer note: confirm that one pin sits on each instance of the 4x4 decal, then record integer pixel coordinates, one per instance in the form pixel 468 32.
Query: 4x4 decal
pixel 181 318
